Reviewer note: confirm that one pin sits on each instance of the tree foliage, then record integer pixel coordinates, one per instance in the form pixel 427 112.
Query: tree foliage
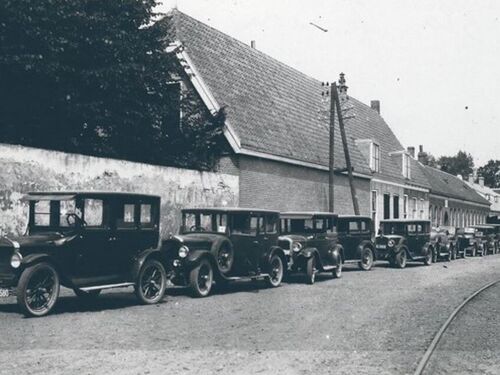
pixel 93 77
pixel 462 163
pixel 491 173
pixel 428 159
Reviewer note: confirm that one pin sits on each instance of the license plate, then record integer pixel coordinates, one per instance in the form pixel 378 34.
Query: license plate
pixel 4 293
pixel 381 246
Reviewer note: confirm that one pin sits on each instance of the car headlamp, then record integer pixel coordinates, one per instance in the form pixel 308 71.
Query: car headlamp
pixel 183 251
pixel 296 246
pixel 16 260
pixel 391 243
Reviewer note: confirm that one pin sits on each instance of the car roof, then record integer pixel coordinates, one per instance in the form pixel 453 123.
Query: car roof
pixel 63 195
pixel 405 221
pixel 354 217
pixel 231 210
pixel 306 214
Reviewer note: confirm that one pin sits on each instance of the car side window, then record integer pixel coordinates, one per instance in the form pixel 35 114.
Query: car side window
pixel 353 227
pixel 419 228
pixel 254 221
pixel 126 217
pixel 271 225
pixel 146 218
pixel 93 210
pixel 42 213
pixel 243 224
pixel 320 225
pixel 412 228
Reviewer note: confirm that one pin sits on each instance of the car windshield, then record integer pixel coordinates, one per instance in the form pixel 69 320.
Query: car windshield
pixel 393 228
pixel 204 222
pixel 58 214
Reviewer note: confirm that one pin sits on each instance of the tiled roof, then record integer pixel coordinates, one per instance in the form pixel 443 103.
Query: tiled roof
pixel 273 108
pixel 487 191
pixel 443 183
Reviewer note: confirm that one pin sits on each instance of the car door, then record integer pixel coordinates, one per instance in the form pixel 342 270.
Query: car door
pixel 94 245
pixel 412 239
pixel 246 243
pixel 352 240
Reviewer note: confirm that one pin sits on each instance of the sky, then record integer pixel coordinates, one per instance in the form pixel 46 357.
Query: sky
pixel 434 65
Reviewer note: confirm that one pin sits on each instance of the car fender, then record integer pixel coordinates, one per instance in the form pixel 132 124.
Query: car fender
pixel 32 259
pixel 142 258
pixel 427 247
pixel 275 250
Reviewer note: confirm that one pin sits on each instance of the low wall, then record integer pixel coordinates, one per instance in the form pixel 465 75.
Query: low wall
pixel 24 169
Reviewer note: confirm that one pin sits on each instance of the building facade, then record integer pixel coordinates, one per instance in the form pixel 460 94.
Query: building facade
pixel 492 196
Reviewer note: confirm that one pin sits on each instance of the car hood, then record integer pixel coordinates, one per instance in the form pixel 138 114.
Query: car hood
pixel 386 237
pixel 293 237
pixel 193 240
pixel 36 240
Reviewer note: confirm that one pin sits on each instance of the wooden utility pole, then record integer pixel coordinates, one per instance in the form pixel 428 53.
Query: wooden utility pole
pixel 331 162
pixel 335 99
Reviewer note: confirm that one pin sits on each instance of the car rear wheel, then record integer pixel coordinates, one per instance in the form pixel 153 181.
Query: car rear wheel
pixel 225 258
pixel 449 256
pixel 474 251
pixel 435 254
pixel 201 279
pixel 38 289
pixel 453 252
pixel 366 262
pixel 151 282
pixel 275 272
pixel 311 270
pixel 429 257
pixel 401 259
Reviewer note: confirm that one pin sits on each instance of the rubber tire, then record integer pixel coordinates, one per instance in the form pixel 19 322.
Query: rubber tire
pixel 138 290
pixel 230 260
pixel 361 265
pixel 310 271
pixel 464 254
pixel 87 296
pixel 193 279
pixel 453 253
pixel 428 260
pixel 449 257
pixel 23 283
pixel 400 259
pixel 474 252
pixel 271 283
pixel 435 255
pixel 337 272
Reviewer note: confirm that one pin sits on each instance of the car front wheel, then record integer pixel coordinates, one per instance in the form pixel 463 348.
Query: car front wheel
pixel 337 272
pixel 449 257
pixel 151 282
pixel 366 262
pixel 201 278
pixel 401 259
pixel 38 289
pixel 311 270
pixel 453 253
pixel 429 257
pixel 276 271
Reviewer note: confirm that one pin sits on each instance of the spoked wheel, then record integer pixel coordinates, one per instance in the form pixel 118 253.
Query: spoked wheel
pixel 453 253
pixel 151 282
pixel 311 270
pixel 449 256
pixel 337 272
pixel 38 289
pixel 201 278
pixel 401 259
pixel 435 254
pixel 429 257
pixel 275 272
pixel 225 258
pixel 366 262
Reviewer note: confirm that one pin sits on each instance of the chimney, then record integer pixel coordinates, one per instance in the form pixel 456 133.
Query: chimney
pixel 411 151
pixel 422 156
pixel 471 178
pixel 375 104
pixel 252 44
pixel 342 87
pixel 481 181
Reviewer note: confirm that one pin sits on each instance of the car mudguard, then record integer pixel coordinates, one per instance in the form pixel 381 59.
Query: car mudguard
pixel 427 247
pixel 32 259
pixel 141 259
pixel 272 251
pixel 362 245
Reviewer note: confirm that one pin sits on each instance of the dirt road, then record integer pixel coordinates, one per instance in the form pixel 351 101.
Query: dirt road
pixel 377 322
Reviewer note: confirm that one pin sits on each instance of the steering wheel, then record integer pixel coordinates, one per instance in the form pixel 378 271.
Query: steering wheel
pixel 194 228
pixel 76 219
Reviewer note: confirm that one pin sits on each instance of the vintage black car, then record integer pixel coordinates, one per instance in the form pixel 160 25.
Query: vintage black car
pixel 470 241
pixel 310 240
pixel 403 240
pixel 488 238
pixel 224 244
pixel 443 246
pixel 355 236
pixel 87 242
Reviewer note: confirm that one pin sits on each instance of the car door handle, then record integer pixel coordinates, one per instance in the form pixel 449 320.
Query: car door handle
pixel 112 239
pixel 256 242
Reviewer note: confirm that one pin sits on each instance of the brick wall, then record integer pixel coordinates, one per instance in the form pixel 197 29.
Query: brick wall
pixel 24 169
pixel 282 186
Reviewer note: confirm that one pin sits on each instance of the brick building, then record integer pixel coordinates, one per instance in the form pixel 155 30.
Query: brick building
pixel 276 123
pixel 452 201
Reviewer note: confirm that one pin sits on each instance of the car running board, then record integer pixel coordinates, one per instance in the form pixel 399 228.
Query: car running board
pixel 329 268
pixel 256 277
pixel 109 286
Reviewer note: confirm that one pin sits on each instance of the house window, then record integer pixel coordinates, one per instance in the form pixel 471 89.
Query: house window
pixel 421 215
pixel 414 208
pixel 375 157
pixel 406 166
pixel 387 206
pixel 374 205
pixel 395 204
pixel 405 206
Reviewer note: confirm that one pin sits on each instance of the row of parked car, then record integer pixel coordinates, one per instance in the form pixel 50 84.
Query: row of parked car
pixel 94 241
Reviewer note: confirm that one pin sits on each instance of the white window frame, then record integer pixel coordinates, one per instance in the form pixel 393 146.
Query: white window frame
pixel 405 206
pixel 375 157
pixel 421 212
pixel 406 166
